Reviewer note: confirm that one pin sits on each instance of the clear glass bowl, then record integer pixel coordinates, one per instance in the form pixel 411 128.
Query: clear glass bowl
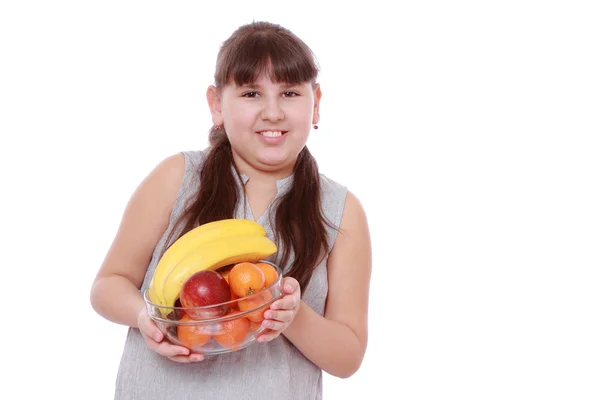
pixel 219 328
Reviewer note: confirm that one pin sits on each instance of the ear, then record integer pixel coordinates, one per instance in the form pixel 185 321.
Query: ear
pixel 214 103
pixel 316 115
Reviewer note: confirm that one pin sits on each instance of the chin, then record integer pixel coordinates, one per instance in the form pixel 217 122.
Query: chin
pixel 272 163
pixel 272 158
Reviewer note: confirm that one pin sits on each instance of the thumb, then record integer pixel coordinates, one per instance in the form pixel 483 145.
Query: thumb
pixel 290 285
pixel 157 335
pixel 150 329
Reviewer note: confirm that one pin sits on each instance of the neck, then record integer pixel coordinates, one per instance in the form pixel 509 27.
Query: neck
pixel 262 175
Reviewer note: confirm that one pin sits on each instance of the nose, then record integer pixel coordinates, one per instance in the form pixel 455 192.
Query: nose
pixel 271 110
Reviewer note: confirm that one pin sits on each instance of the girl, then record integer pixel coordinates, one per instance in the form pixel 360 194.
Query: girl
pixel 264 102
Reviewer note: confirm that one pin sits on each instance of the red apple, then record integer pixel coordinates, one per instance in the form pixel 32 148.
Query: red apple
pixel 205 288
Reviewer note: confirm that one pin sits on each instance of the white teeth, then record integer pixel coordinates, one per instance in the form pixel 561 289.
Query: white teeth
pixel 271 133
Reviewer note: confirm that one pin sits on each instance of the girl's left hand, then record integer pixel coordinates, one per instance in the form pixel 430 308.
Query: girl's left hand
pixel 282 312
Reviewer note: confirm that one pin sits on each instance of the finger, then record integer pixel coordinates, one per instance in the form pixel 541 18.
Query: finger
pixel 267 336
pixel 151 342
pixel 194 357
pixel 274 325
pixel 285 303
pixel 149 329
pixel 290 285
pixel 282 315
pixel 170 350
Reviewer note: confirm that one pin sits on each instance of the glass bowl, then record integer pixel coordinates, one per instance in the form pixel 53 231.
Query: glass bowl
pixel 218 328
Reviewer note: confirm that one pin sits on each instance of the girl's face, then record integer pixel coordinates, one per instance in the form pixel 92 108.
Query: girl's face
pixel 267 123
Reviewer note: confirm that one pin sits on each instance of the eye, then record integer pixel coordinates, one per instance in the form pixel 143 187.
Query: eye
pixel 250 94
pixel 289 93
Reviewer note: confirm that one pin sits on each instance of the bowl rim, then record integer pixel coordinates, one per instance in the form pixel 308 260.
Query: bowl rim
pixel 223 318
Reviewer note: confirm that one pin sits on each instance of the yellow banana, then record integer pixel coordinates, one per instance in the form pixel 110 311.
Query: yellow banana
pixel 214 255
pixel 191 240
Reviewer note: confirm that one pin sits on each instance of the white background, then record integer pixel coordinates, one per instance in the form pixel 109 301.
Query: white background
pixel 468 129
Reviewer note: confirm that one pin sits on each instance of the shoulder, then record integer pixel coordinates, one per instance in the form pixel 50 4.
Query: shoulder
pixel 344 210
pixel 165 178
pixel 194 158
pixel 331 190
pixel 330 187
pixel 180 164
pixel 353 232
pixel 349 209
pixel 329 184
pixel 333 198
pixel 175 169
pixel 176 175
pixel 354 212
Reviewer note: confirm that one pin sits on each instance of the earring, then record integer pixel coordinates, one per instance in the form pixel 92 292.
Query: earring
pixel 217 127
pixel 315 126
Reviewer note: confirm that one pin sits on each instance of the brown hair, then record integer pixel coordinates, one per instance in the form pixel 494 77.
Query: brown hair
pixel 300 226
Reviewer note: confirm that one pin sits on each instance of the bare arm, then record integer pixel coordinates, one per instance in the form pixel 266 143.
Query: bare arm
pixel 115 292
pixel 337 342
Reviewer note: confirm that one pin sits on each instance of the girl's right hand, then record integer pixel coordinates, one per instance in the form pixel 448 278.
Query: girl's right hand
pixel 155 341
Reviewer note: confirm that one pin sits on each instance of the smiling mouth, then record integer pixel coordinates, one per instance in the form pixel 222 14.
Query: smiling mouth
pixel 272 133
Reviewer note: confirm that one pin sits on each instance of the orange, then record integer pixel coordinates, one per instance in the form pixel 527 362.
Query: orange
pixel 269 271
pixel 192 336
pixel 246 278
pixel 233 333
pixel 252 302
pixel 254 326
pixel 224 272
pixel 233 305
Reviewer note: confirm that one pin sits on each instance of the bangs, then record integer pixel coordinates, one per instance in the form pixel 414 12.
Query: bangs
pixel 278 53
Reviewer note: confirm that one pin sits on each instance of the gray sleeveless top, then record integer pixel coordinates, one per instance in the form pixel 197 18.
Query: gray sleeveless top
pixel 272 370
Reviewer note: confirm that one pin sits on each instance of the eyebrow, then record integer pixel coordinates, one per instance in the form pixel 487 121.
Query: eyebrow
pixel 257 86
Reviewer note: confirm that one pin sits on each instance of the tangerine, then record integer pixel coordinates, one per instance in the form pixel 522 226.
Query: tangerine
pixel 246 278
pixel 192 336
pixel 232 333
pixel 254 326
pixel 253 302
pixel 234 304
pixel 270 272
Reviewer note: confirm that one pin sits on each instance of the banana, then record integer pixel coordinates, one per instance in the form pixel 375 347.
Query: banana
pixel 191 240
pixel 214 255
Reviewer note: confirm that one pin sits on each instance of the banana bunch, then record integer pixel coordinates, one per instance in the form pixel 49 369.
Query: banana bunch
pixel 207 247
